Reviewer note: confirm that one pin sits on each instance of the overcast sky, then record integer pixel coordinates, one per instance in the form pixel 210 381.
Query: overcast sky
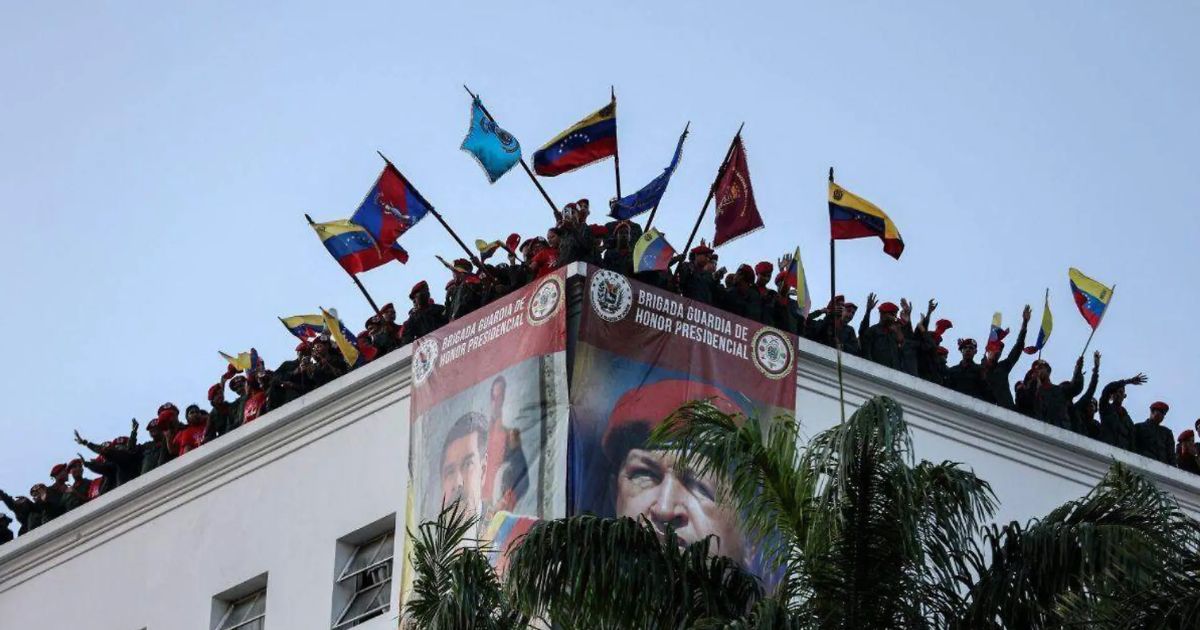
pixel 156 162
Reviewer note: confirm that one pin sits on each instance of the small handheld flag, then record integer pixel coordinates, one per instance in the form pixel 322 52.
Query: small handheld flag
pixel 652 252
pixel 996 335
pixel 486 249
pixel 1091 297
pixel 240 363
pixel 589 140
pixel 391 207
pixel 1044 331
pixel 256 362
pixel 798 281
pixel 304 327
pixel 496 150
pixel 354 249
pixel 651 194
pixel 851 216
pixel 737 212
pixel 341 337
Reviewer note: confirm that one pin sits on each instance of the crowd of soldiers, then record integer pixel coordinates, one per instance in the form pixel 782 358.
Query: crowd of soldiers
pixel 761 293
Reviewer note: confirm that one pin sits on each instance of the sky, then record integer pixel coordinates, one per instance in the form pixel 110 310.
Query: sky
pixel 156 162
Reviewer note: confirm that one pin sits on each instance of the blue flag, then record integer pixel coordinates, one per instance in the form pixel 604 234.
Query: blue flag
pixel 650 194
pixel 495 149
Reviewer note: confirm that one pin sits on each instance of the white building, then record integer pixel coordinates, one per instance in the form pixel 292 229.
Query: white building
pixel 279 523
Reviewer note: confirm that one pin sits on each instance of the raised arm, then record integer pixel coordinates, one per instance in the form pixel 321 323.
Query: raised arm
pixel 865 323
pixel 1090 392
pixel 1018 347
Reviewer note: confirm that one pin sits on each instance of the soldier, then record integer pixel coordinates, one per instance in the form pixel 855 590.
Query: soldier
pixel 572 238
pixel 21 507
pixel 383 331
pixel 424 317
pixel 6 534
pixel 122 453
pixel 1186 454
pixel 48 501
pixel 618 251
pixel 882 343
pixel 1151 439
pixel 762 278
pixel 1084 409
pixel 257 385
pixel 191 436
pixel 60 488
pixel 696 281
pixel 542 258
pixel 931 356
pixel 80 489
pixel 967 376
pixel 785 312
pixel 1052 402
pixel 996 371
pixel 464 292
pixel 1116 427
pixel 155 452
pixel 831 325
pixel 226 416
pixel 744 299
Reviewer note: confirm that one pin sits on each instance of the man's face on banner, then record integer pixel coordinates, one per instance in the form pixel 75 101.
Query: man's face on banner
pixel 463 463
pixel 650 484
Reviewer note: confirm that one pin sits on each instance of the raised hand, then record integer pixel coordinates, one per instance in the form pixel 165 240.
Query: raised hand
pixel 872 301
pixel 932 306
pixel 79 438
pixel 133 424
pixel 1025 314
pixel 1096 360
pixel 1138 380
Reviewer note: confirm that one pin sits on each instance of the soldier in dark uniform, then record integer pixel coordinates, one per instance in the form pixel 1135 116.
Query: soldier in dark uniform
pixel 574 240
pixel 996 371
pixel 1052 402
pixel 123 454
pixel 882 342
pixel 1116 427
pixel 696 281
pixel 464 293
pixel 931 356
pixel 831 325
pixel 155 452
pixel 1152 439
pixel 1084 409
pixel 966 376
pixel 425 316
pixel 785 312
pixel 48 501
pixel 766 295
pixel 744 298
pixel 21 507
pixel 383 331
pixel 80 487
pixel 6 534
pixel 618 250
pixel 1186 454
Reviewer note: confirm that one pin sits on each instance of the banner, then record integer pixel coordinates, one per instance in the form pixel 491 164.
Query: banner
pixel 488 413
pixel 641 353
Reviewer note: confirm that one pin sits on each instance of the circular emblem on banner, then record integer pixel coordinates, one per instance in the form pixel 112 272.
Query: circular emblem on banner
pixel 547 298
pixel 425 354
pixel 773 354
pixel 611 295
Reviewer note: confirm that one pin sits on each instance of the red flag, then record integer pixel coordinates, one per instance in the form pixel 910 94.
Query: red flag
pixel 737 214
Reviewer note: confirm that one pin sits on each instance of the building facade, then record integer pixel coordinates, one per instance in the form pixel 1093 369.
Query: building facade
pixel 297 521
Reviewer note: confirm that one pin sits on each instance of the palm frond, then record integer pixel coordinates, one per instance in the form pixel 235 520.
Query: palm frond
pixel 591 572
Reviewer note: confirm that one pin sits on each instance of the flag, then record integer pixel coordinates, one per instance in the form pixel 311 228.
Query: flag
pixel 391 207
pixel 486 249
pixel 1090 296
pixel 798 281
pixel 652 252
pixel 256 362
pixel 353 248
pixel 996 335
pixel 304 327
pixel 341 337
pixel 241 362
pixel 851 216
pixel 589 140
pixel 737 214
pixel 650 194
pixel 1044 331
pixel 496 150
pixel 504 533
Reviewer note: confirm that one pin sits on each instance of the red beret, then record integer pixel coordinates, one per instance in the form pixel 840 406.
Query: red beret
pixel 941 350
pixel 388 307
pixel 942 326
pixel 167 407
pixel 419 287
pixel 215 390
pixel 782 276
pixel 646 407
pixel 701 249
pixel 763 267
pixel 121 439
pixel 1187 434
pixel 153 424
pixel 75 462
pixel 1160 406
pixel 302 346
pixel 850 305
pixel 463 265
pixel 58 470
pixel 888 307
pixel 512 241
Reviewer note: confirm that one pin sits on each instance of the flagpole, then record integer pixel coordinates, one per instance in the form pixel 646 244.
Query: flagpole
pixel 1111 293
pixel 616 143
pixel 546 196
pixel 655 208
pixel 353 277
pixel 837 338
pixel 437 215
pixel 712 190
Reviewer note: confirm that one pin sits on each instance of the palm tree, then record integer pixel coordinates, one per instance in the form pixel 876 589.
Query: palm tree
pixel 864 536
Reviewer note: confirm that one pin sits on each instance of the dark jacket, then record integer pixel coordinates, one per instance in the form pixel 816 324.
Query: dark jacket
pixel 997 376
pixel 1052 402
pixel 879 344
pixel 422 321
pixel 1116 427
pixel 1154 441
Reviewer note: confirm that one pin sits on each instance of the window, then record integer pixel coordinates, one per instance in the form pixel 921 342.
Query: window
pixel 364 581
pixel 243 607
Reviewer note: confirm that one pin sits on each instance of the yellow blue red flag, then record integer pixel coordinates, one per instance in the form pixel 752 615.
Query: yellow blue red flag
pixel 241 362
pixel 589 140
pixel 304 327
pixel 1090 296
pixel 341 337
pixel 1044 331
pixel 851 216
pixel 652 252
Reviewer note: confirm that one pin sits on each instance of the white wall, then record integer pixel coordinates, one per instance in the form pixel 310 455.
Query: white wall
pixel 274 497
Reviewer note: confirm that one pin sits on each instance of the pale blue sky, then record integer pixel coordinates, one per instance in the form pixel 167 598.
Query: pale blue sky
pixel 156 161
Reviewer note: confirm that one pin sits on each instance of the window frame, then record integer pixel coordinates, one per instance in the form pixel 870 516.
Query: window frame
pixel 231 606
pixel 348 579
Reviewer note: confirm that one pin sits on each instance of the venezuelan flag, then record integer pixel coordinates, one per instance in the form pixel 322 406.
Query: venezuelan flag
pixel 589 140
pixel 354 249
pixel 486 249
pixel 851 216
pixel 341 338
pixel 304 327
pixel 241 362
pixel 652 252
pixel 799 282
pixel 1090 296
pixel 1044 331
pixel 996 335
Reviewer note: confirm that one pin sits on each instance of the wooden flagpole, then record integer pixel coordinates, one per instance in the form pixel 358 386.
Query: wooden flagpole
pixel 524 165
pixel 712 190
pixel 354 278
